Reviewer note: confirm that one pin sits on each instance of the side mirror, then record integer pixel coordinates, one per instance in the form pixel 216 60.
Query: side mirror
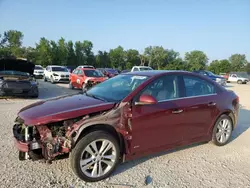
pixel 146 99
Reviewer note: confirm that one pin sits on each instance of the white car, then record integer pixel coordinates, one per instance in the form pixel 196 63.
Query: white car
pixel 55 73
pixel 237 78
pixel 141 68
pixel 86 66
pixel 38 71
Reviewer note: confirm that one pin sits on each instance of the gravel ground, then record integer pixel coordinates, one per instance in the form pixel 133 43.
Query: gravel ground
pixel 202 165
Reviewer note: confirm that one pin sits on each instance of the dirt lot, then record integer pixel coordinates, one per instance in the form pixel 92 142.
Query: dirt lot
pixel 203 165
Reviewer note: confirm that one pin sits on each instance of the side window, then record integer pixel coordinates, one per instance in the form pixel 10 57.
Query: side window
pixel 164 88
pixel 195 86
pixel 79 72
pixel 75 71
pixel 136 69
pixel 234 76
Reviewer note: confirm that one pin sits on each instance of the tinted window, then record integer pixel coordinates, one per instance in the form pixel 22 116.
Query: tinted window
pixel 164 88
pixel 195 86
pixel 93 73
pixel 112 71
pixel 145 68
pixel 38 68
pixel 136 69
pixel 80 72
pixel 59 69
pixel 75 71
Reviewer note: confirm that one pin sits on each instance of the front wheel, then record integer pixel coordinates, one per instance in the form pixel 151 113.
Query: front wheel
pixel 70 85
pixel 95 156
pixel 222 130
pixel 52 80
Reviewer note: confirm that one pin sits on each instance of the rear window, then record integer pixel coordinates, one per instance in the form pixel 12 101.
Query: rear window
pixel 93 73
pixel 59 69
pixel 112 71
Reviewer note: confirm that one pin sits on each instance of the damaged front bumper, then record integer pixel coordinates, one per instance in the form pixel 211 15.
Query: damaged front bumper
pixel 43 141
pixel 24 140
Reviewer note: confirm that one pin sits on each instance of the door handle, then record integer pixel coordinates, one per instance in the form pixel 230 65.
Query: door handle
pixel 211 104
pixel 177 111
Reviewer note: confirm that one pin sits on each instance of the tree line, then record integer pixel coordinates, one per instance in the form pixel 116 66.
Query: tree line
pixel 62 52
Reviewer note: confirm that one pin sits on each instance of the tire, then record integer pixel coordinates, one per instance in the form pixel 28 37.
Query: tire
pixel 52 80
pixel 44 79
pixel 80 149
pixel 70 85
pixel 84 87
pixel 239 81
pixel 219 131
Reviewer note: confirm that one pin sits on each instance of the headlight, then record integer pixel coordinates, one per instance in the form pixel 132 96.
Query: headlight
pixel 55 74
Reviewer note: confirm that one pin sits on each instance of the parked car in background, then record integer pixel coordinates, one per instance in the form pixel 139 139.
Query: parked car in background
pixel 124 71
pixel 238 78
pixel 225 75
pixel 85 78
pixel 219 79
pixel 126 117
pixel 109 72
pixel 141 68
pixel 16 78
pixel 38 71
pixel 86 66
pixel 55 73
pixel 71 68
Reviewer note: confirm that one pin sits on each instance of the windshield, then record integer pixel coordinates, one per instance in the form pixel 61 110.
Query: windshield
pixel 38 68
pixel 210 73
pixel 116 88
pixel 145 68
pixel 112 71
pixel 11 72
pixel 93 73
pixel 59 69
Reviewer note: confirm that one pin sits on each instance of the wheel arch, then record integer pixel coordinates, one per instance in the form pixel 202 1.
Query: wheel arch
pixel 229 113
pixel 104 127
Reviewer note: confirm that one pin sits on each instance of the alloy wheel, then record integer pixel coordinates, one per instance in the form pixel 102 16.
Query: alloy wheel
pixel 98 158
pixel 224 130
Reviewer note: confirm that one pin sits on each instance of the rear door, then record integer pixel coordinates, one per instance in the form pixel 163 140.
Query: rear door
pixel 199 105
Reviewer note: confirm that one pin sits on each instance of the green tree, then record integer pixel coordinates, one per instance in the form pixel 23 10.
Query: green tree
pixel 43 50
pixel 196 60
pixel 62 52
pixel 102 59
pixel 132 58
pixel 117 57
pixel 214 66
pixel 156 56
pixel 88 54
pixel 238 62
pixel 71 58
pixel 248 68
pixel 225 66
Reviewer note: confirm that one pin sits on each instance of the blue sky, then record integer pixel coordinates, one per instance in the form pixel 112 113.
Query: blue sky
pixel 217 27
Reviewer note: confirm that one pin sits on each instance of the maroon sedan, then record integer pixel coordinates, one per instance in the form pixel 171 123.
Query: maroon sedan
pixel 126 117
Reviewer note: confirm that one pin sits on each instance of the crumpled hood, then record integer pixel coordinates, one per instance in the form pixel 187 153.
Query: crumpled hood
pixel 17 65
pixel 62 108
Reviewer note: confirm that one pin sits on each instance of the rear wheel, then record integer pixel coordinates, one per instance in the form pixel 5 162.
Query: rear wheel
pixel 222 130
pixel 44 78
pixel 95 156
pixel 239 81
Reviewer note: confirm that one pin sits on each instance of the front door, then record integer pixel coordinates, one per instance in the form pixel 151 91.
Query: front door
pixel 157 125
